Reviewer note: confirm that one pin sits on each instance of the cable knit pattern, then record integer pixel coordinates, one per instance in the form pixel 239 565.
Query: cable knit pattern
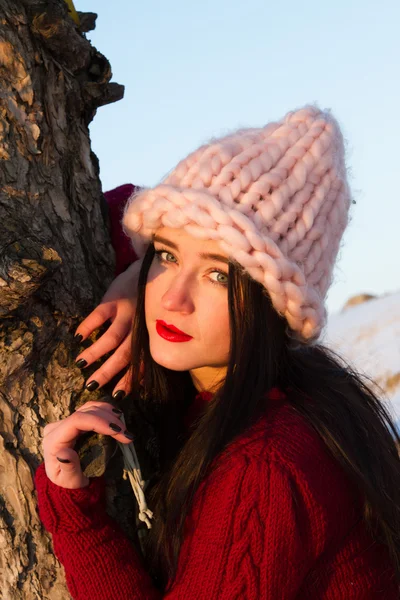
pixel 275 519
pixel 275 198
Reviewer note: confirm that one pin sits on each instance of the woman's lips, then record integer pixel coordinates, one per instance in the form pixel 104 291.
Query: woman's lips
pixel 171 333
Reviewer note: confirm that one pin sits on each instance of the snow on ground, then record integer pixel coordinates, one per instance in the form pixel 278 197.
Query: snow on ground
pixel 368 336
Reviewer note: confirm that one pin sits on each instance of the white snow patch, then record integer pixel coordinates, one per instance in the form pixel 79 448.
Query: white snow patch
pixel 368 336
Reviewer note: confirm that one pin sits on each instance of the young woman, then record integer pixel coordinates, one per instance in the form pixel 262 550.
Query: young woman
pixel 279 473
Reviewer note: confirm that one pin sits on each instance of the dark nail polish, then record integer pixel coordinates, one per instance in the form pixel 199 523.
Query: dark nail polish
pixel 78 338
pixel 117 411
pixel 129 435
pixel 81 363
pixel 119 395
pixel 115 427
pixel 63 460
pixel 93 385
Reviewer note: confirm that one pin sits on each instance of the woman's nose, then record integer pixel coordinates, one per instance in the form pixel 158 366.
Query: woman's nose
pixel 178 296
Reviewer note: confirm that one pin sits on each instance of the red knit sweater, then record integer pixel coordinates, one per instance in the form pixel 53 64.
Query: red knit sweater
pixel 116 199
pixel 276 519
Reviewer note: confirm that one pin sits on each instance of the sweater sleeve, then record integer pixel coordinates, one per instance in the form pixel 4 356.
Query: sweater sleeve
pixel 100 562
pixel 246 538
pixel 116 201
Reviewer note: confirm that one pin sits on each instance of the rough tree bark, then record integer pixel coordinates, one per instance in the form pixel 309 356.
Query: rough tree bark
pixel 55 262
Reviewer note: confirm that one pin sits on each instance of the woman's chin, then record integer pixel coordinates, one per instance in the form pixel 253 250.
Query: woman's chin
pixel 173 365
pixel 171 362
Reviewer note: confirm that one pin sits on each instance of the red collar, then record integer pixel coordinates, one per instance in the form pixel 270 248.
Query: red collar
pixel 274 394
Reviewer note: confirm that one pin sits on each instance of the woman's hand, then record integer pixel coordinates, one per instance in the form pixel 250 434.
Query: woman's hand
pixel 118 306
pixel 61 461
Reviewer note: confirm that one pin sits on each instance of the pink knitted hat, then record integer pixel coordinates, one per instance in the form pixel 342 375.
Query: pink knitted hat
pixel 276 199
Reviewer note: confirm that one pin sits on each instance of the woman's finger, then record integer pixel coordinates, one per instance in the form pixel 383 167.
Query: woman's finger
pixel 118 361
pixel 82 421
pixel 101 314
pixel 112 338
pixel 61 460
pixel 50 426
pixel 121 295
pixel 105 406
pixel 124 386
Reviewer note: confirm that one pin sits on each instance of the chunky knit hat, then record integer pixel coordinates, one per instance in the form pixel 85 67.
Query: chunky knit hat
pixel 276 199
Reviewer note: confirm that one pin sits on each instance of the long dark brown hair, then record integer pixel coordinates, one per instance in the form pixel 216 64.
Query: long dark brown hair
pixel 336 401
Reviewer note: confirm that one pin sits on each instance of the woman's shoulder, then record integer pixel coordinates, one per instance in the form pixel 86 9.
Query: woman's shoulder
pixel 281 464
pixel 283 434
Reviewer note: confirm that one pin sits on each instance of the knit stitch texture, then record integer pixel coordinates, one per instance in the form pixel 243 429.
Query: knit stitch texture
pixel 276 199
pixel 275 519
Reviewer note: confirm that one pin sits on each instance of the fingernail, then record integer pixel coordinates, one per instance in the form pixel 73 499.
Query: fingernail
pixel 81 363
pixel 119 395
pixel 129 435
pixel 115 427
pixel 63 460
pixel 93 385
pixel 78 338
pixel 117 411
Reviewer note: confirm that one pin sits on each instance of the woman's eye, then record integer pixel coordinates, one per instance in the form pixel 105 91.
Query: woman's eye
pixel 221 278
pixel 165 256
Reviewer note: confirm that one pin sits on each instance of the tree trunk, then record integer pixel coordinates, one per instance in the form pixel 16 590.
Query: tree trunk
pixel 55 262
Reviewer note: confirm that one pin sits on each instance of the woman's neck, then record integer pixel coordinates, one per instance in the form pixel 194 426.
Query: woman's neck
pixel 208 378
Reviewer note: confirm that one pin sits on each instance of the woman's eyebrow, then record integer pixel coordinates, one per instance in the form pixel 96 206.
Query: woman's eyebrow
pixel 211 256
pixel 158 238
pixel 204 255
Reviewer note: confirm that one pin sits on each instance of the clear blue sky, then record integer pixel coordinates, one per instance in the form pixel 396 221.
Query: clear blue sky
pixel 197 69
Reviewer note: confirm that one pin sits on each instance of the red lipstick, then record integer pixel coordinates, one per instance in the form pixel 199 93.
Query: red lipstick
pixel 171 333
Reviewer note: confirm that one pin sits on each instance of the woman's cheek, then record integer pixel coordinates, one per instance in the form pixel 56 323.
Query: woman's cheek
pixel 218 326
pixel 153 292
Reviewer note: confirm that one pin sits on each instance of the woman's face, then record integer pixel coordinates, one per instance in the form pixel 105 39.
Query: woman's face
pixel 187 290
